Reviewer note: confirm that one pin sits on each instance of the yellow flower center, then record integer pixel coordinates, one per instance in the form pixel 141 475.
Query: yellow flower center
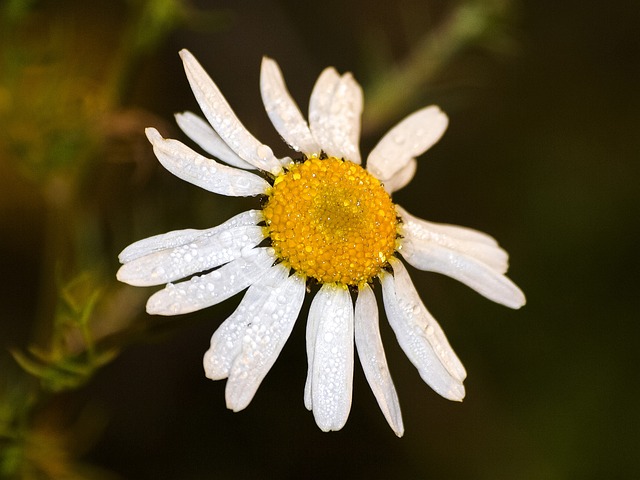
pixel 331 220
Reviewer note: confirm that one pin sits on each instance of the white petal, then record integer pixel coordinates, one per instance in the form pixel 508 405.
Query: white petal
pixel 464 268
pixel 319 104
pixel 266 297
pixel 402 177
pixel 203 172
pixel 460 233
pixel 466 241
pixel 334 114
pixel 224 121
pixel 207 251
pixel 331 360
pixel 311 333
pixel 420 336
pixel 373 359
pixel 265 331
pixel 410 138
pixel 177 238
pixel 283 111
pixel 212 288
pixel 198 130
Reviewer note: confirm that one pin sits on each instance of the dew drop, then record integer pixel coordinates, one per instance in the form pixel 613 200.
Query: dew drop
pixel 264 152
pixel 225 238
pixel 157 272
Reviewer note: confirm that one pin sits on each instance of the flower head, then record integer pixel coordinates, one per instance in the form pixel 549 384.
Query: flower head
pixel 327 220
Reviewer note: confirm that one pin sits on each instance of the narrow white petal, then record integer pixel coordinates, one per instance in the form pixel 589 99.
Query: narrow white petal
pixel 410 138
pixel 224 120
pixel 332 365
pixel 203 172
pixel 212 288
pixel 344 120
pixel 402 177
pixel 459 239
pixel 334 114
pixel 198 130
pixel 207 251
pixel 320 102
pixel 311 334
pixel 464 268
pixel 178 238
pixel 373 359
pixel 420 336
pixel 263 298
pixel 266 329
pixel 283 111
pixel 461 233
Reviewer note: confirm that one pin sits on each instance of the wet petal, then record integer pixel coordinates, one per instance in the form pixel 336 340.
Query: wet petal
pixel 475 274
pixel 331 357
pixel 203 172
pixel 224 121
pixel 420 336
pixel 319 104
pixel 178 238
pixel 247 344
pixel 469 242
pixel 283 111
pixel 207 251
pixel 373 359
pixel 272 298
pixel 198 130
pixel 334 114
pixel 402 177
pixel 212 288
pixel 410 138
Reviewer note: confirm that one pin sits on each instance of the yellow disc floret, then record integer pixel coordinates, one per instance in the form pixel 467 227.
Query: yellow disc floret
pixel 331 220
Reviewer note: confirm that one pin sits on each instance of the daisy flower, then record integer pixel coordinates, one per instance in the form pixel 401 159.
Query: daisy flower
pixel 325 220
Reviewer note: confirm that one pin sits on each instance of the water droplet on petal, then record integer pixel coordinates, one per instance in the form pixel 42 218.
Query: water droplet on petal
pixel 399 138
pixel 264 152
pixel 225 238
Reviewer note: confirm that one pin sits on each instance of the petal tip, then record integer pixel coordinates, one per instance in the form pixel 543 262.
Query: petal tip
pixel 152 134
pixel 121 274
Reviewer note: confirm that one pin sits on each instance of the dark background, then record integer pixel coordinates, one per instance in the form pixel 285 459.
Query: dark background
pixel 542 152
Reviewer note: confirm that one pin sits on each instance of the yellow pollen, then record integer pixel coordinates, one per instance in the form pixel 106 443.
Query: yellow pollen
pixel 331 220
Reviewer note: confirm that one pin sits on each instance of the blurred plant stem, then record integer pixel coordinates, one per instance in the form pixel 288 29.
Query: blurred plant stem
pixel 395 89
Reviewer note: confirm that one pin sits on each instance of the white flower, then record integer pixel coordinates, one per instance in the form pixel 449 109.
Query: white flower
pixel 328 220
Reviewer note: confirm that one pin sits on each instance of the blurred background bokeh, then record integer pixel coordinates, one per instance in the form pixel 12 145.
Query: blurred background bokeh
pixel 543 152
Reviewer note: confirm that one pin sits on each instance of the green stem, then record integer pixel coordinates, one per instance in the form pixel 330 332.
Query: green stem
pixel 392 93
